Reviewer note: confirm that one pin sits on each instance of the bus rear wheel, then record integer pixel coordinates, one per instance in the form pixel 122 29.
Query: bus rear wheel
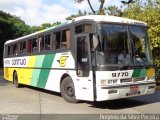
pixel 67 90
pixel 15 80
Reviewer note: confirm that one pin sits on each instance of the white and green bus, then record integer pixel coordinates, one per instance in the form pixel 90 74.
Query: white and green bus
pixel 81 59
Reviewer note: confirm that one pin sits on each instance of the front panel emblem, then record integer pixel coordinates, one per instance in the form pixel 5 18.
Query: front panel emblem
pixel 62 61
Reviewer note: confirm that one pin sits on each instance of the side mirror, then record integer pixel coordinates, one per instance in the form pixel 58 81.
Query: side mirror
pixel 95 41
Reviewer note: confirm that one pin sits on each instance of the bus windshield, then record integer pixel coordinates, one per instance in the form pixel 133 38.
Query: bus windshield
pixel 123 45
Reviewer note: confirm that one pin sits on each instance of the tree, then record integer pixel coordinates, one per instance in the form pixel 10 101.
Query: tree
pixel 114 10
pixel 80 13
pixel 11 27
pixel 128 2
pixel 101 9
pixel 46 25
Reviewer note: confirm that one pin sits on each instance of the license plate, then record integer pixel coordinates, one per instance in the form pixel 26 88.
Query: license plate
pixel 133 93
pixel 133 89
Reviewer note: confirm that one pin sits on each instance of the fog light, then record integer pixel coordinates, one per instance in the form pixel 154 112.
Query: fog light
pixel 151 87
pixel 112 91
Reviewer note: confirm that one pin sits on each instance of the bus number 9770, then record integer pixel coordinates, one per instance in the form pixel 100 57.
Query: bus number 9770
pixel 120 74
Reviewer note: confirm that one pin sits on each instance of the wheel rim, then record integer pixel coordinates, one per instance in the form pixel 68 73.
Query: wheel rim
pixel 69 89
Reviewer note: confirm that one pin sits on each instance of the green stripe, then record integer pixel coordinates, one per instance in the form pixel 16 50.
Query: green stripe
pixel 47 63
pixel 139 73
pixel 36 72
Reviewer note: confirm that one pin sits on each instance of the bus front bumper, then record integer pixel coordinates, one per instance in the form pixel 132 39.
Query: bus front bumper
pixel 111 92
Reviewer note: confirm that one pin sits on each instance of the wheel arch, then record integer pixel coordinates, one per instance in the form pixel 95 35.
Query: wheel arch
pixel 64 76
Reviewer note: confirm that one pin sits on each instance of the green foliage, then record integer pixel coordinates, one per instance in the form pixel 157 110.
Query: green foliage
pixel 114 10
pixel 44 26
pixel 80 13
pixel 11 27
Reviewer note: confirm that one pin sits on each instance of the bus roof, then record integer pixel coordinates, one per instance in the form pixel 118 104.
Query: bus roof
pixel 107 18
pixel 96 18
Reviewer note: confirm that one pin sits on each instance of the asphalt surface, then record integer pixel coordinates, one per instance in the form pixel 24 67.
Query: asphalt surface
pixel 33 103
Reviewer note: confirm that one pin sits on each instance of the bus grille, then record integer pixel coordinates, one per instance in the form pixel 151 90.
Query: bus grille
pixel 126 80
pixel 132 80
pixel 138 79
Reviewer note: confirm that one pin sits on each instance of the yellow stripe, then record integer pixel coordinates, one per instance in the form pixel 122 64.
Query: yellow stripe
pixel 26 74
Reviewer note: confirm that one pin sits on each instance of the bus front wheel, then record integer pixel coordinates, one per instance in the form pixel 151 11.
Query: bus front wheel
pixel 15 80
pixel 67 90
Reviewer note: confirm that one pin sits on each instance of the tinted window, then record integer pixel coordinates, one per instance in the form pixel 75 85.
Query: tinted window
pixel 58 39
pixel 15 49
pixel 114 40
pixel 83 28
pixel 47 42
pixel 82 56
pixel 65 43
pixel 34 45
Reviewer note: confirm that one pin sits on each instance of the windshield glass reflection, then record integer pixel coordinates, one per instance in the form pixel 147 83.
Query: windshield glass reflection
pixel 123 45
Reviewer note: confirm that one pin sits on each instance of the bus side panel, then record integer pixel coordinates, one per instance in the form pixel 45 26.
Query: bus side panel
pixel 8 73
pixel 45 71
pixel 31 64
pixel 63 63
pixel 53 82
pixel 36 71
pixel 25 73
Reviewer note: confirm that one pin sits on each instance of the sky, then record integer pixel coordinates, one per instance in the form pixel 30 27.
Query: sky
pixel 36 12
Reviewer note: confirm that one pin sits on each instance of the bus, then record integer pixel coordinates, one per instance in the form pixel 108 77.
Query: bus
pixel 80 59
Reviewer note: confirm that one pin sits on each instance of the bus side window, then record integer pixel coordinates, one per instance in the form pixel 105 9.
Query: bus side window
pixel 58 39
pixel 78 29
pixel 34 45
pixel 41 43
pixel 15 49
pixel 65 43
pixel 20 47
pixel 8 51
pixel 47 45
pixel 24 47
pixel 29 46
pixel 83 28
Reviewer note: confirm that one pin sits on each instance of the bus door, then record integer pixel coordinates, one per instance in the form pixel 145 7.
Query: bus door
pixel 84 74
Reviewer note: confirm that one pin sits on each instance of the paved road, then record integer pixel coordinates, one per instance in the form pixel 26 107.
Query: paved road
pixel 28 100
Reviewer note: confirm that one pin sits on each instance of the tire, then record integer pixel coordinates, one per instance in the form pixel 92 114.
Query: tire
pixel 67 90
pixel 15 80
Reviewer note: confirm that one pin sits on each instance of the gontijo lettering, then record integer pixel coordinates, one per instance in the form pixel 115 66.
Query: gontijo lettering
pixel 18 61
